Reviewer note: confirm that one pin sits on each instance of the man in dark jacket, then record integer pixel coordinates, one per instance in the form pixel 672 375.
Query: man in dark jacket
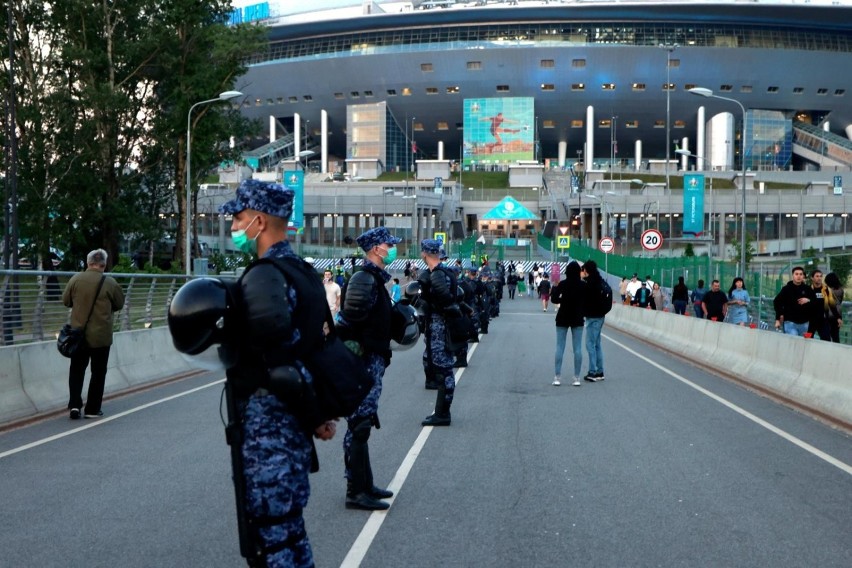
pixel 644 298
pixel 793 304
pixel 595 313
pixel 568 295
pixel 715 303
pixel 366 318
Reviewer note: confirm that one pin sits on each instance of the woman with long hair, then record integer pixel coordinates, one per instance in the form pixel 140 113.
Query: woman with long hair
pixel 738 302
pixel 568 296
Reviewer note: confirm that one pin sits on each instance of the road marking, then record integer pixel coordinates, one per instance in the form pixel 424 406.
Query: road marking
pixel 743 412
pixel 374 522
pixel 93 423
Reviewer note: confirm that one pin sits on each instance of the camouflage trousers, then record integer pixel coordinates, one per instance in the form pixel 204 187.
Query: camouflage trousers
pixel 276 465
pixel 437 358
pixel 368 408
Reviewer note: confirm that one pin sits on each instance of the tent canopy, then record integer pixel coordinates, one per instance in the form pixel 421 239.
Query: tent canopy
pixel 510 210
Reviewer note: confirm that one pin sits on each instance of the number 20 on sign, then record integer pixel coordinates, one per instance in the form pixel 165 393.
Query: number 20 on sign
pixel 652 239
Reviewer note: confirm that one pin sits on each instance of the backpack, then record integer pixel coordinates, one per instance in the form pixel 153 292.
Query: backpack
pixel 605 297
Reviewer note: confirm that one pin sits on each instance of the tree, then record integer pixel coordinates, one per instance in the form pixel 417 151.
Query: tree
pixel 689 251
pixel 749 252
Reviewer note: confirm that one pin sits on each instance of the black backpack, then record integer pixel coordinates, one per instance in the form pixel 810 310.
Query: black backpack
pixel 605 297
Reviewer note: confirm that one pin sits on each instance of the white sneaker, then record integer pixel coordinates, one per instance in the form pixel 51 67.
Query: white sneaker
pixel 556 381
pixel 576 382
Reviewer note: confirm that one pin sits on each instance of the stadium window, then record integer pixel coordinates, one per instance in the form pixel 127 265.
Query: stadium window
pixel 308 98
pixel 280 100
pixel 417 126
pixel 548 63
pixel 632 124
pixel 638 86
pixel 839 92
pixel 431 90
pixel 772 89
pixel 426 67
pixel 391 92
pixel 680 124
pixel 474 65
pixel 659 124
pixel 674 62
pixel 548 87
pixel 368 93
pixel 257 102
pixel 822 91
pixel 578 87
pixel 608 86
pixel 689 86
pixel 460 126
pixel 443 126
pixel 502 88
pixel 576 124
pixel 746 89
pixel 406 92
pixel 604 123
pixel 668 86
pixel 270 101
pixel 548 124
pixel 293 99
pixel 338 96
pixel 453 90
pixel 726 88
pixel 798 90
pixel 355 94
pixel 578 63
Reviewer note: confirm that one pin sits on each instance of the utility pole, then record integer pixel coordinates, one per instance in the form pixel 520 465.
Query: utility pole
pixel 10 203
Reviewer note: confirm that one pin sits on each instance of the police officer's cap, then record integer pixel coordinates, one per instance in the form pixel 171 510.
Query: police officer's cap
pixel 376 236
pixel 270 198
pixel 431 246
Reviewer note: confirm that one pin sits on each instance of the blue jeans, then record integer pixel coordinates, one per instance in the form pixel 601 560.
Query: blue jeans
pixel 699 313
pixel 799 329
pixel 680 306
pixel 593 344
pixel 576 346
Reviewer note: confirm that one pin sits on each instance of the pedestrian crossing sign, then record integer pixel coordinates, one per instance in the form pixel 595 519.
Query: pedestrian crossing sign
pixel 441 237
pixel 563 241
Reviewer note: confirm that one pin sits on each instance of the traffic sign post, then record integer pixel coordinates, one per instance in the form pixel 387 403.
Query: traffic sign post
pixel 563 241
pixel 606 245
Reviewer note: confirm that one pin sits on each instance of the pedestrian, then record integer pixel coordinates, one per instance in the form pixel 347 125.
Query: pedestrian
pixel 622 289
pixel 439 294
pixel 512 284
pixel 93 298
pixel 407 271
pixel 568 295
pixel 544 291
pixel 531 281
pixel 644 298
pixel 715 303
pixel 738 302
pixel 366 318
pixel 537 283
pixel 792 309
pixel 659 297
pixel 680 296
pixel 395 291
pixel 597 303
pixel 697 297
pixel 554 274
pixel 833 283
pixel 632 288
pixel 825 309
pixel 332 292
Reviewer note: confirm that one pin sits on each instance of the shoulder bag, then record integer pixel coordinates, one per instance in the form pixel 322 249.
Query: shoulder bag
pixel 71 339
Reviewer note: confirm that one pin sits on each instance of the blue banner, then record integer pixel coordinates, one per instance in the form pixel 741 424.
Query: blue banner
pixel 295 180
pixel 693 205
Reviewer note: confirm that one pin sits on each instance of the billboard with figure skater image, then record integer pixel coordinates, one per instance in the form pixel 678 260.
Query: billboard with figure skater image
pixel 498 131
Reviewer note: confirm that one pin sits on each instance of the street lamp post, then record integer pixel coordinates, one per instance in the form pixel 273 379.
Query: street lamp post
pixel 225 96
pixel 669 49
pixel 709 93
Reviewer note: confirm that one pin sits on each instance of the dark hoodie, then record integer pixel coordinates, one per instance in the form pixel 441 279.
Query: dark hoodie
pixel 787 307
pixel 568 295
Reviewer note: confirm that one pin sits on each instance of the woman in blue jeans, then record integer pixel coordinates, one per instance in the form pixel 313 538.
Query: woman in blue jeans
pixel 568 295
pixel 594 311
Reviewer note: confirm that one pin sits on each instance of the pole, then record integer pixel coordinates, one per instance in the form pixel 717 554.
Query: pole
pixel 10 205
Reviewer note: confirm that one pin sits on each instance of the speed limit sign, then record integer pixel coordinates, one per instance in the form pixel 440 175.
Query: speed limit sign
pixel 606 245
pixel 652 239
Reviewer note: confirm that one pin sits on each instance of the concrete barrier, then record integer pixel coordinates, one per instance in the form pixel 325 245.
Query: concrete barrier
pixel 812 374
pixel 34 376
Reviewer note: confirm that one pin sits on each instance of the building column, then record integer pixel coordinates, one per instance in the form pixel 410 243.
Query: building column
pixel 272 133
pixel 324 141
pixel 594 232
pixel 699 140
pixel 589 150
pixel 684 159
pixel 297 138
pixel 320 229
pixel 562 152
pixel 637 155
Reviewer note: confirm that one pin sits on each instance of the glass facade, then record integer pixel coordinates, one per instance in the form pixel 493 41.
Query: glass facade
pixel 769 140
pixel 372 132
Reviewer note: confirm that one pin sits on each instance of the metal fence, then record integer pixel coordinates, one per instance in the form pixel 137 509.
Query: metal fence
pixel 32 308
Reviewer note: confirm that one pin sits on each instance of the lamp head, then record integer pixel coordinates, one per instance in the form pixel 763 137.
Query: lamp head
pixel 701 91
pixel 228 95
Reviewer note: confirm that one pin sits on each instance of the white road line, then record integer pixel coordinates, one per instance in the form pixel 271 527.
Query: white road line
pixel 374 522
pixel 757 420
pixel 101 421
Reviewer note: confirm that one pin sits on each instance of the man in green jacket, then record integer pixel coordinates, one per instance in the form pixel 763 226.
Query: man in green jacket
pixel 85 293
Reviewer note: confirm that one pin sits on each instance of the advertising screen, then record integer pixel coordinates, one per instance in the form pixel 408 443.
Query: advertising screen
pixel 498 131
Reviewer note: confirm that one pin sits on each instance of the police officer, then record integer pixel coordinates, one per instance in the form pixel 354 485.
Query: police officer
pixel 366 318
pixel 277 448
pixel 438 286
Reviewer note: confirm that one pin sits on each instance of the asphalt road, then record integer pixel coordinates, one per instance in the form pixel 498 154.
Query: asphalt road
pixel 662 464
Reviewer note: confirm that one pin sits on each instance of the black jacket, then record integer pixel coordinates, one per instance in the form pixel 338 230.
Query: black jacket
pixel 787 307
pixel 366 307
pixel 569 296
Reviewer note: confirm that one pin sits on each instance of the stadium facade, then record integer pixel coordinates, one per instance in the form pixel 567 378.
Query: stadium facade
pixel 610 85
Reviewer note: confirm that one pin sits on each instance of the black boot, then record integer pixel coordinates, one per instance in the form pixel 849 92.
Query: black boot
pixel 432 382
pixel 372 490
pixel 441 416
pixel 357 490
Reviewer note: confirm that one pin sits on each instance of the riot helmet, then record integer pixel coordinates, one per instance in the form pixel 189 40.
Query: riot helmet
pixel 405 330
pixel 198 314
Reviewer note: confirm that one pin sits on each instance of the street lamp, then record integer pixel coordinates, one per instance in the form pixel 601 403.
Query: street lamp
pixel 224 96
pixel 669 49
pixel 701 91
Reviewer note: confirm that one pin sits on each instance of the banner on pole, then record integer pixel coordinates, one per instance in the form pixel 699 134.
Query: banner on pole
pixel 693 205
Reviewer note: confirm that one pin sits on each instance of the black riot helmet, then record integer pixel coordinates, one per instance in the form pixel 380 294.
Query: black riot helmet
pixel 198 313
pixel 405 330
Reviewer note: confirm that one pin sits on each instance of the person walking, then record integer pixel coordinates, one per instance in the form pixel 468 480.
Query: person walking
pixel 833 283
pixel 715 303
pixel 644 298
pixel 438 291
pixel 622 289
pixel 659 297
pixel 825 308
pixel 697 297
pixel 93 298
pixel 531 281
pixel 332 292
pixel 366 318
pixel 512 284
pixel 544 291
pixel 680 296
pixel 595 308
pixel 568 295
pixel 738 301
pixel 794 304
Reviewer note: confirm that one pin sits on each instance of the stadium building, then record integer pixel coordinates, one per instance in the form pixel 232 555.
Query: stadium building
pixel 576 100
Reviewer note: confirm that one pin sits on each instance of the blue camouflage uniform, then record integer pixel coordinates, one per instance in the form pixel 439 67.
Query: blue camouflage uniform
pixel 277 450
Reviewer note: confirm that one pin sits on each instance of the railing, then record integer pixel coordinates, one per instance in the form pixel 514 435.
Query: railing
pixel 32 308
